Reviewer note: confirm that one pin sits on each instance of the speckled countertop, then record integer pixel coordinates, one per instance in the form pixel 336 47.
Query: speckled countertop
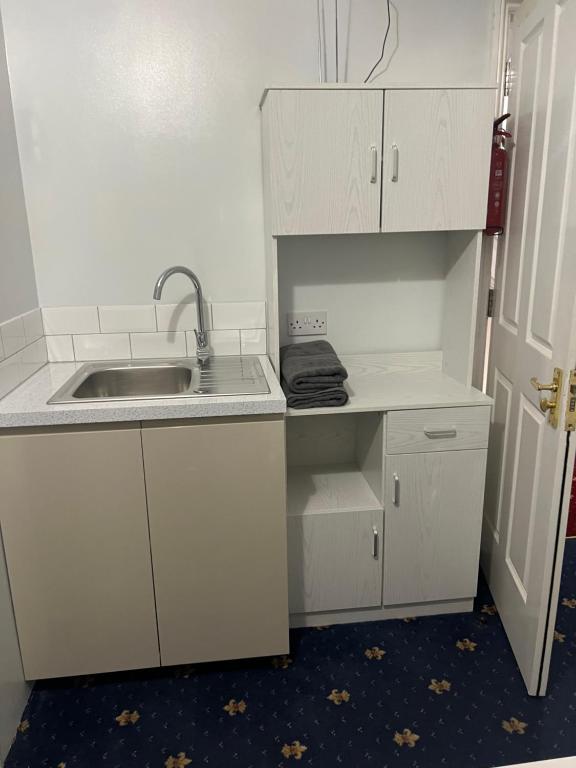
pixel 27 406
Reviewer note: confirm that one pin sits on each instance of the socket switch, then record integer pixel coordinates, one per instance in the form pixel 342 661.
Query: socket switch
pixel 307 323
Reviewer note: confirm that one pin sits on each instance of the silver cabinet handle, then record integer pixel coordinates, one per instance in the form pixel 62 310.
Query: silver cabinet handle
pixel 374 176
pixel 396 497
pixel 440 434
pixel 395 161
pixel 375 542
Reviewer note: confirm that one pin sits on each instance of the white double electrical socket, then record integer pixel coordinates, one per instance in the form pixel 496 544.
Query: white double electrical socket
pixel 307 323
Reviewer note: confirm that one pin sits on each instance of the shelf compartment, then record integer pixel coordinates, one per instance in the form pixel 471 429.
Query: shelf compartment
pixel 329 488
pixel 335 463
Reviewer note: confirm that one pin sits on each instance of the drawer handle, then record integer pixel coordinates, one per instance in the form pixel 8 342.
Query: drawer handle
pixel 440 434
pixel 375 542
pixel 396 497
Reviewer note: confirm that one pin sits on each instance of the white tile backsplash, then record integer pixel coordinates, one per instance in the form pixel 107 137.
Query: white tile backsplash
pixel 253 341
pixel 237 315
pixel 118 319
pixel 33 325
pixel 79 320
pixel 180 317
pixel 20 366
pixel 122 332
pixel 11 374
pixel 13 336
pixel 34 356
pixel 161 344
pixel 60 349
pixel 102 346
pixel 221 342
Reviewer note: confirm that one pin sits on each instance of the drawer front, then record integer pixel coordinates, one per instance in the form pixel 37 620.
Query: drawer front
pixel 437 429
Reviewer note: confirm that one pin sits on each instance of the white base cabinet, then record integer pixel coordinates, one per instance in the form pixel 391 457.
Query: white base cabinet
pixel 433 525
pixel 335 561
pixel 396 532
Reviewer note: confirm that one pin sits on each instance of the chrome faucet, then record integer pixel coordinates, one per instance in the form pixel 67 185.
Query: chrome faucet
pixel 202 350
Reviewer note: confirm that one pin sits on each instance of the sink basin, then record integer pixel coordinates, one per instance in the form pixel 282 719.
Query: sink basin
pixel 134 382
pixel 151 379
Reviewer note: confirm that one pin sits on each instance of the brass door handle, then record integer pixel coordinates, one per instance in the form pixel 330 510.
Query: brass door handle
pixel 553 387
pixel 550 404
pixel 546 404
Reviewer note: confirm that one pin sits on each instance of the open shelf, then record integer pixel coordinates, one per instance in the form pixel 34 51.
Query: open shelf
pixel 329 488
pixel 396 381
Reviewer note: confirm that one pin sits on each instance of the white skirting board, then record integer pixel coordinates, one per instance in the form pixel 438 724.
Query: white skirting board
pixel 380 614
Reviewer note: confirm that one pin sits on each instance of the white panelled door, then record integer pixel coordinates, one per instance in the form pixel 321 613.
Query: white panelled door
pixel 534 331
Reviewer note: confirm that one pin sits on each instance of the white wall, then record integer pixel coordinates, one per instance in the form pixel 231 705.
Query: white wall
pixel 139 129
pixel 17 283
pixel 383 293
pixel 17 295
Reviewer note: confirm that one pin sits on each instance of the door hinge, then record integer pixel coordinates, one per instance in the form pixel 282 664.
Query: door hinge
pixel 508 77
pixel 570 422
pixel 490 307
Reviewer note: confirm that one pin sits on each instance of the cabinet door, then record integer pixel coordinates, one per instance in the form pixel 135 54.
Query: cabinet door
pixel 436 159
pixel 334 561
pixel 217 507
pixel 76 537
pixel 322 156
pixel 433 522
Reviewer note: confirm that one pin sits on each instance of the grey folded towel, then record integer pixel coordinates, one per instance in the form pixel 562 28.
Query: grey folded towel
pixel 324 398
pixel 311 367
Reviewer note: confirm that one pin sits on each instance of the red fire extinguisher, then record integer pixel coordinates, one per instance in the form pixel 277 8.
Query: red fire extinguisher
pixel 498 184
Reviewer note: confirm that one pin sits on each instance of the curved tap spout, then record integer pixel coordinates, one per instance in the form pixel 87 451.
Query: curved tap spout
pixel 202 351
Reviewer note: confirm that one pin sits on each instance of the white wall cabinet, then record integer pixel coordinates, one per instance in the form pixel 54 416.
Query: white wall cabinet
pixel 436 159
pixel 76 538
pixel 433 523
pixel 324 152
pixel 323 160
pixel 217 507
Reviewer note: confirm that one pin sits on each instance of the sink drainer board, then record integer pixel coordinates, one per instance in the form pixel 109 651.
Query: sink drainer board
pixel 153 379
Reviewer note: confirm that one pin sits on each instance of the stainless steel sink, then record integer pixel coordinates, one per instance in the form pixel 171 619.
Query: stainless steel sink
pixel 153 379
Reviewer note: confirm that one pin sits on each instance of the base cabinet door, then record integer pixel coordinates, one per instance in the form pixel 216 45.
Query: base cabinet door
pixel 433 518
pixel 216 501
pixel 335 561
pixel 75 532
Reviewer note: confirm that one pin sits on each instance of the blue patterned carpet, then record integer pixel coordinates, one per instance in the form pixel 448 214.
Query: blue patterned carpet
pixel 427 692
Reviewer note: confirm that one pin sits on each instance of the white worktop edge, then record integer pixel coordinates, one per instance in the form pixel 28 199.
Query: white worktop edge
pixel 26 406
pixel 399 381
